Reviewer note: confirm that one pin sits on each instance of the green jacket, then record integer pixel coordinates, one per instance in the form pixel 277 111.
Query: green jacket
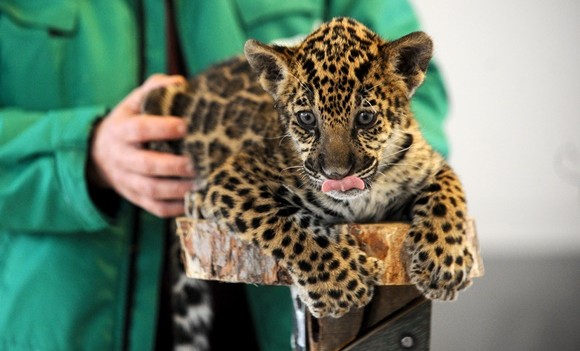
pixel 66 281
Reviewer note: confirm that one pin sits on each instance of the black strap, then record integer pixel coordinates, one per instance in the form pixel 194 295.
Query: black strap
pixel 134 234
pixel 175 65
pixel 175 62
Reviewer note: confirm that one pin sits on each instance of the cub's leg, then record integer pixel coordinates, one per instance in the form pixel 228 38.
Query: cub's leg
pixel 440 261
pixel 331 273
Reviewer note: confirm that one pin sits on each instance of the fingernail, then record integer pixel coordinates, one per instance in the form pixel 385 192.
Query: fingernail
pixel 182 128
pixel 189 169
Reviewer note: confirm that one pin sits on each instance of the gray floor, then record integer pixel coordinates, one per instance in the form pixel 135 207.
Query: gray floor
pixel 524 304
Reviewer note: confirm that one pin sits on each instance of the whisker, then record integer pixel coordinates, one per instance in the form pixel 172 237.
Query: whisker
pixel 284 137
pixel 291 167
pixel 403 164
pixel 369 104
pixel 302 84
pixel 401 150
pixel 277 137
pixel 374 87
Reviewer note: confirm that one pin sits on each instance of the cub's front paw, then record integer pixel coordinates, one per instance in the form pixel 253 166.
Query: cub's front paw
pixel 439 272
pixel 334 282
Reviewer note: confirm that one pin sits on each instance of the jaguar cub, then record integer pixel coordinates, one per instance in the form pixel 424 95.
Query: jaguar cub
pixel 287 141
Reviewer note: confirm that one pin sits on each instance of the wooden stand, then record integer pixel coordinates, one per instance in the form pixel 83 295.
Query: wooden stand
pixel 398 317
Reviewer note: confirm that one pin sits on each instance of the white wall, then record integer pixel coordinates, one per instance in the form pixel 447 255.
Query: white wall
pixel 513 74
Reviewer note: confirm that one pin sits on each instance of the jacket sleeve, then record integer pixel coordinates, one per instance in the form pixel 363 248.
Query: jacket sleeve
pixel 393 19
pixel 42 170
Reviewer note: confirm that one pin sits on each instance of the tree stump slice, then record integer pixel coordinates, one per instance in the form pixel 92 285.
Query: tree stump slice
pixel 212 255
pixel 392 313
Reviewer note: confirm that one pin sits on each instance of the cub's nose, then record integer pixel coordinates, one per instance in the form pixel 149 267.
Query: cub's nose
pixel 336 168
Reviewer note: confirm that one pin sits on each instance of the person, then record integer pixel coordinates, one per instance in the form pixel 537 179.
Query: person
pixel 81 201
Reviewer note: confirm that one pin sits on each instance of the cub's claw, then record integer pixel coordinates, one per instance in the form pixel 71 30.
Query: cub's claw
pixel 440 277
pixel 335 287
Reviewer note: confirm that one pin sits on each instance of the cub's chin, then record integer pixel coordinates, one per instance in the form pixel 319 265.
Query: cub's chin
pixel 346 195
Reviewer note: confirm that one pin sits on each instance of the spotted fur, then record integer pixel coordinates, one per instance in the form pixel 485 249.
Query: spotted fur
pixel 265 131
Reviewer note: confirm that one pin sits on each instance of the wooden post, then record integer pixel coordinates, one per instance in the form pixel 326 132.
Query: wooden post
pixel 398 315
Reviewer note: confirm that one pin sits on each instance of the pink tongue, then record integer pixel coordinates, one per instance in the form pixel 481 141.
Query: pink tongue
pixel 343 184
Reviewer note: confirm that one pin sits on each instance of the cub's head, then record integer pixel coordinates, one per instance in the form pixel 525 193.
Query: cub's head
pixel 343 95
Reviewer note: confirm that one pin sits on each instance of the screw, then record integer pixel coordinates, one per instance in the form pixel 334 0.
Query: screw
pixel 407 342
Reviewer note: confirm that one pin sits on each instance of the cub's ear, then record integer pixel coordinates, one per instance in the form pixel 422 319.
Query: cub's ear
pixel 410 56
pixel 271 63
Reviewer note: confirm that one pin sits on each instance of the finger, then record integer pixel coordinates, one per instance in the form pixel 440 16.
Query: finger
pixel 135 98
pixel 146 128
pixel 155 164
pixel 160 80
pixel 162 188
pixel 158 196
pixel 160 208
pixel 165 209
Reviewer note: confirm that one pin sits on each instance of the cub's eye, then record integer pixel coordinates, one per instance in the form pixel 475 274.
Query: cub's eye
pixel 365 119
pixel 306 119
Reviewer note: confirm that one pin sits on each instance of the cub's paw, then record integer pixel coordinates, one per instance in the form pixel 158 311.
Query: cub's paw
pixel 440 272
pixel 331 283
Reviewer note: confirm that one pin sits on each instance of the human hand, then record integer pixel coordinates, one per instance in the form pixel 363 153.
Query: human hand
pixel 149 179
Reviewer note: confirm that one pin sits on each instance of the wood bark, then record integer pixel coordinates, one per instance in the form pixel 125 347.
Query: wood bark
pixel 213 255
